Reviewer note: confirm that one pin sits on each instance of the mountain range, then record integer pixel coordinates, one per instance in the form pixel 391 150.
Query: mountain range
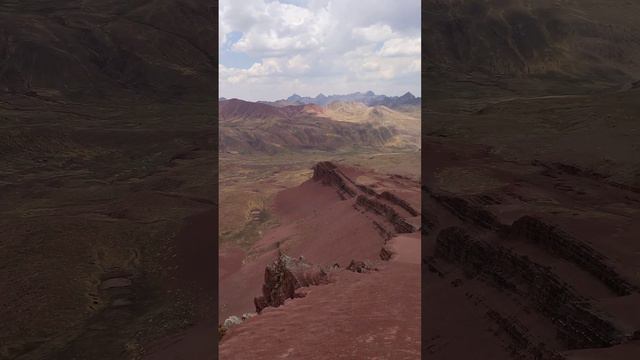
pixel 89 44
pixel 368 98
pixel 248 127
pixel 540 47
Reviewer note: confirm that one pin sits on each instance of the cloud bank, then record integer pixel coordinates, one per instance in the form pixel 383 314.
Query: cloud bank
pixel 272 49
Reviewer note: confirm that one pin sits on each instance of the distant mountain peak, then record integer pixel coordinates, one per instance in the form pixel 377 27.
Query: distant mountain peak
pixel 368 98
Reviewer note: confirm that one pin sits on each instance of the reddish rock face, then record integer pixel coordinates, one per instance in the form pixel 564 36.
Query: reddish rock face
pixel 328 174
pixel 283 277
pixel 386 253
pixel 555 241
pixel 578 324
pixel 358 266
pixel 322 220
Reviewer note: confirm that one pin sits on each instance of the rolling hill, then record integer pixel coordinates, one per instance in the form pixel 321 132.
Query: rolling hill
pixel 531 197
pixel 259 127
pixel 91 47
pixel 527 46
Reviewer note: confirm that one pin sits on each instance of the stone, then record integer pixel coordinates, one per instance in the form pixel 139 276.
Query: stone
pixel 283 277
pixel 232 321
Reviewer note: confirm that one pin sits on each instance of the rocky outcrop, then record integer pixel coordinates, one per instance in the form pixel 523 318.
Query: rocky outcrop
pixel 429 222
pixel 396 200
pixel 390 214
pixel 469 212
pixel 386 253
pixel 368 199
pixel 552 170
pixel 390 197
pixel 520 343
pixel 559 243
pixel 359 266
pixel 367 190
pixel 232 321
pixel 386 234
pixel 283 277
pixel 578 325
pixel 327 173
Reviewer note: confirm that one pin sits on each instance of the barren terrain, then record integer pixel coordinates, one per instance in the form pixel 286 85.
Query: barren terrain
pixel 107 134
pixel 338 216
pixel 319 211
pixel 530 185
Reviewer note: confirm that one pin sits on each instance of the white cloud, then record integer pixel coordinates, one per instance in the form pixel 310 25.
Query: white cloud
pixel 273 28
pixel 327 46
pixel 298 64
pixel 373 33
pixel 401 47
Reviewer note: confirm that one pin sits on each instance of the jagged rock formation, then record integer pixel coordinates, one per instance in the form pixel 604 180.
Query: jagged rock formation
pixel 386 234
pixel 368 199
pixel 559 243
pixel 283 277
pixel 577 324
pixel 231 321
pixel 396 200
pixel 466 211
pixel 521 344
pixel 545 285
pixel 328 174
pixel 368 98
pixel 385 210
pixel 322 220
pixel 386 253
pixel 359 266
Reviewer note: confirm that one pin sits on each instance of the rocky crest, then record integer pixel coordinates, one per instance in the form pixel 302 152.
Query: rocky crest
pixel 559 243
pixel 328 174
pixel 468 212
pixel 386 253
pixel 283 277
pixel 399 224
pixel 286 275
pixel 396 200
pixel 367 199
pixel 359 266
pixel 577 324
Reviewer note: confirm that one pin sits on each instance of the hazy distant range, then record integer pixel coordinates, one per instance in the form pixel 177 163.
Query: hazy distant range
pixel 368 98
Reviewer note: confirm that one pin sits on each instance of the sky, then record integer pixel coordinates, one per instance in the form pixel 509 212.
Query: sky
pixel 271 49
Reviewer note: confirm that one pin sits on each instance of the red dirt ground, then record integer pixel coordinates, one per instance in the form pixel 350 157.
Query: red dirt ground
pixel 195 247
pixel 374 315
pixel 459 300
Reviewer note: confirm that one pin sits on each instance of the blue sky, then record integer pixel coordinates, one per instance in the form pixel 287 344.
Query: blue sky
pixel 270 49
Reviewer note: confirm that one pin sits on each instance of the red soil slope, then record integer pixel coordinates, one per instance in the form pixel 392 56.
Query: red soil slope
pixel 194 272
pixel 528 261
pixel 240 109
pixel 331 219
